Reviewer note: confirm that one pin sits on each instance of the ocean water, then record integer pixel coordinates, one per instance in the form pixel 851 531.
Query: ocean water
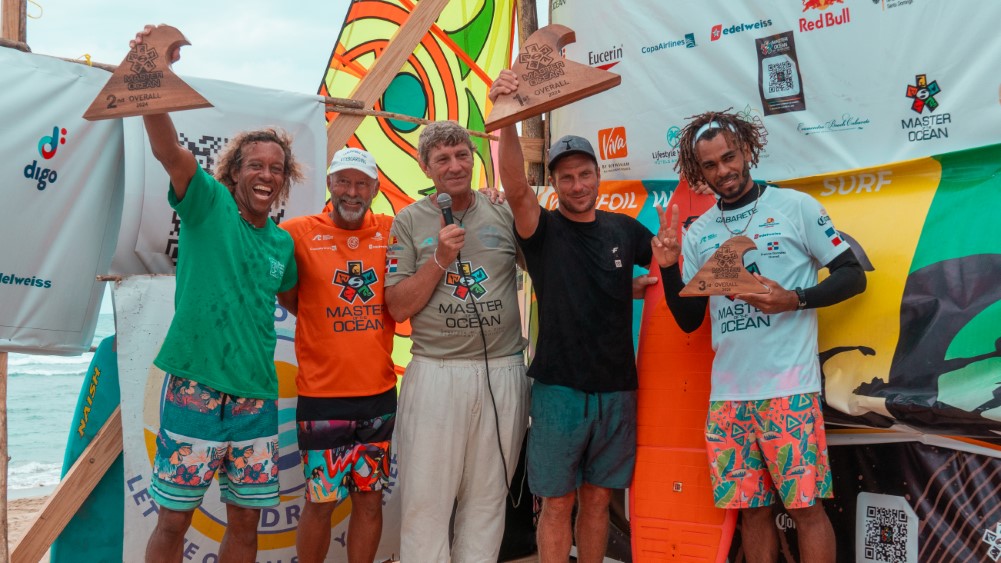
pixel 42 392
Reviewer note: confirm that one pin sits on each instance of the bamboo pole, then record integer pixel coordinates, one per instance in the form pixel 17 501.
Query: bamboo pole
pixel 3 456
pixel 384 69
pixel 15 18
pixel 531 128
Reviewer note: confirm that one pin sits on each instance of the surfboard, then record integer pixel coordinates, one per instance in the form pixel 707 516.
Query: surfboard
pixel 671 511
pixel 96 531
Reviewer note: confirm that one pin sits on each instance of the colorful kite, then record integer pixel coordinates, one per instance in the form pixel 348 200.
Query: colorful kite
pixel 447 77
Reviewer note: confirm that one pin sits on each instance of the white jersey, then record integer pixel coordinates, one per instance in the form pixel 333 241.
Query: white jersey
pixel 761 356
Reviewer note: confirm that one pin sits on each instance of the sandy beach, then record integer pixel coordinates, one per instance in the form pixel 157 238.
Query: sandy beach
pixel 20 514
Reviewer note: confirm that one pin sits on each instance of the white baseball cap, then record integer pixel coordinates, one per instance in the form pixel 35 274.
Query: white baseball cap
pixel 355 159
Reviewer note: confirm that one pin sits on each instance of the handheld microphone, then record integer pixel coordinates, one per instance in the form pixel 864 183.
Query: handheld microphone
pixel 445 204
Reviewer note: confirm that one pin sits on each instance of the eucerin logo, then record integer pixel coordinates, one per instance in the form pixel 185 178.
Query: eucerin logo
pixel 47 147
pixel 612 143
pixel 605 59
pixel 718 31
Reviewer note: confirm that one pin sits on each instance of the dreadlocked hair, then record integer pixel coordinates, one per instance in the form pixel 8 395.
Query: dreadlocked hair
pixel 737 130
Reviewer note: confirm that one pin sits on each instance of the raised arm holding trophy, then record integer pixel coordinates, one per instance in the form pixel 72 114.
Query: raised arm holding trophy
pixel 219 415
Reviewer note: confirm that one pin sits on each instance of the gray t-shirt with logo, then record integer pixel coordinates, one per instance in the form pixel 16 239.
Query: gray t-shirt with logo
pixel 484 293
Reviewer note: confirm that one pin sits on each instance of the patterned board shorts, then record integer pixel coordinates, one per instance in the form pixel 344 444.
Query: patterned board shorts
pixel 342 456
pixel 204 433
pixel 758 449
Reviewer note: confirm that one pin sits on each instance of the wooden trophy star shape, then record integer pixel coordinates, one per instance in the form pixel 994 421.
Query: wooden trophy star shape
pixel 546 80
pixel 144 83
pixel 724 273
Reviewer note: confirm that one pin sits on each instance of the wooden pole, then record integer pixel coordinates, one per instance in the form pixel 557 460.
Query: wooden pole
pixel 531 128
pixel 402 44
pixel 72 491
pixel 15 18
pixel 3 456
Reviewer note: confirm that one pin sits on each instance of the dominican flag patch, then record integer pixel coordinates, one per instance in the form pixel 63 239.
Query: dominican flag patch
pixel 390 265
pixel 773 245
pixel 834 236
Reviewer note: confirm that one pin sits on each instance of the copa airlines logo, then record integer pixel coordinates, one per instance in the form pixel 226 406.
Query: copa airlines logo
pixel 718 31
pixel 47 147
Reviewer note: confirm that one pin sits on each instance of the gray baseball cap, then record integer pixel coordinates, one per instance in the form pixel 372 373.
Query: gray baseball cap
pixel 567 145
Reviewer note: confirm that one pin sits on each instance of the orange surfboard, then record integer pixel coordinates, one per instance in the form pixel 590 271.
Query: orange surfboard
pixel 671 511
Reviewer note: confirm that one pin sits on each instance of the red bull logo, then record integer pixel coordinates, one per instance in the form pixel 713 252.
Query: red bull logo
pixel 820 4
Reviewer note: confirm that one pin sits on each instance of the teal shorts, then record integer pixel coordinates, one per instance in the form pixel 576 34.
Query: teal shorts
pixel 205 434
pixel 577 437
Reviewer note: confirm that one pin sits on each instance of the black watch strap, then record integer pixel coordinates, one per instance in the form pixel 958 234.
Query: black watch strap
pixel 801 295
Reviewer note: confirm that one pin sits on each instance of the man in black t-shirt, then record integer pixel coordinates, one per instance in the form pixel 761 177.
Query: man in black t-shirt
pixel 582 439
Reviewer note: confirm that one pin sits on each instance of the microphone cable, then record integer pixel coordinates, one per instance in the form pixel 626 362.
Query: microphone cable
pixel 466 282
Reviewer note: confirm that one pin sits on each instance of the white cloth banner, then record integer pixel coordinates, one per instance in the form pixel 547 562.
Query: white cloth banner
pixel 61 178
pixel 148 243
pixel 143 310
pixel 839 84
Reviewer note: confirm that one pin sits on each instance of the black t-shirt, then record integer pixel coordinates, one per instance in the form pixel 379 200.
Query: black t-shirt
pixel 582 275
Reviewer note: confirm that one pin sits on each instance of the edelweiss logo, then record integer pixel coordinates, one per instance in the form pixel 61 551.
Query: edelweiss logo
pixel 467 281
pixel 923 94
pixel 356 281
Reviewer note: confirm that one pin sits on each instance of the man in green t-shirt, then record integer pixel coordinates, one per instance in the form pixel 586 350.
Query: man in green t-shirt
pixel 219 410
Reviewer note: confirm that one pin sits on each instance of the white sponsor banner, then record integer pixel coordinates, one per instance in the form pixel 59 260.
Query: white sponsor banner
pixel 148 243
pixel 143 309
pixel 61 179
pixel 839 84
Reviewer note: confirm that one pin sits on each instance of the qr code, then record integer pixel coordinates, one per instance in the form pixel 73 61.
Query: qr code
pixel 206 150
pixel 780 77
pixel 885 534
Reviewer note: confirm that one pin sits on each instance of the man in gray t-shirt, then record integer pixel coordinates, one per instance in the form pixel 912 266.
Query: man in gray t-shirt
pixel 456 284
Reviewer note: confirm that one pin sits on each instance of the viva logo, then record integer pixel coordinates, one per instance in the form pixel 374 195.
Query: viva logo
pixel 47 147
pixel 612 143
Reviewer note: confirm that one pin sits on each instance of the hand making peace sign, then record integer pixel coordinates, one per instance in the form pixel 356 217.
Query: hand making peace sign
pixel 666 246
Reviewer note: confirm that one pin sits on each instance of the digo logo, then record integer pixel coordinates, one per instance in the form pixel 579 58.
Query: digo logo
pixel 49 144
pixel 612 143
pixel 47 147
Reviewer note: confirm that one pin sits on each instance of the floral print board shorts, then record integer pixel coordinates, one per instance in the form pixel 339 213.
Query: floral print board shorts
pixel 204 433
pixel 768 447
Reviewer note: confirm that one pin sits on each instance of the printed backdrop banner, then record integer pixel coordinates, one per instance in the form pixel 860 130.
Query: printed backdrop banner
pixel 148 243
pixel 839 84
pixel 143 308
pixel 61 184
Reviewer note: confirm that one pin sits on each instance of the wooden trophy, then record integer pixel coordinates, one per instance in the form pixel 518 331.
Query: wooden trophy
pixel 724 273
pixel 546 80
pixel 144 84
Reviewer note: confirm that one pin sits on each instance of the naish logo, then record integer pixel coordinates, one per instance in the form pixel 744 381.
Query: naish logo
pixel 605 59
pixel 718 31
pixel 356 281
pixel 467 281
pixel 47 147
pixel 923 93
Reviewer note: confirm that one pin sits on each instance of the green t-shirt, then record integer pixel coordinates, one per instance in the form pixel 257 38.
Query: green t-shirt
pixel 228 272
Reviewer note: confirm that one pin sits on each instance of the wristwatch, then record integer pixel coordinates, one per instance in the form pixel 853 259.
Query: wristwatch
pixel 801 295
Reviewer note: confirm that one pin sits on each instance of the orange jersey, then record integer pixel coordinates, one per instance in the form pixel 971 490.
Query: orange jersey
pixel 343 332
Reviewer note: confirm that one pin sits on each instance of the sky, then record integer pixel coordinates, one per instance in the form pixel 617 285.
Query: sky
pixel 282 45
pixel 266 43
